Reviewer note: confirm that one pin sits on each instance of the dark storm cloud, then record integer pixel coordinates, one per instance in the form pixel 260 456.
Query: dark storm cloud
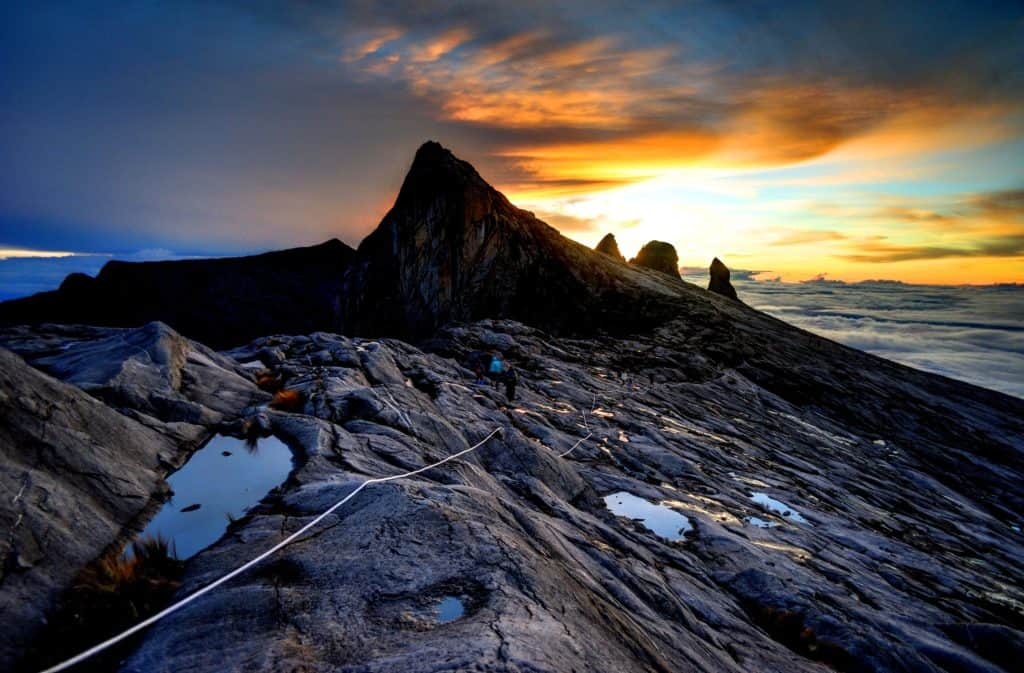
pixel 230 126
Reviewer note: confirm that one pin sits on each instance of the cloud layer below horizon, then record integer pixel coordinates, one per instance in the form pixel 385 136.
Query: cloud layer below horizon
pixel 876 140
pixel 975 334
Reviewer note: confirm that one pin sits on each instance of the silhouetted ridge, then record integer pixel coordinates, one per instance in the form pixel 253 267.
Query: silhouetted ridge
pixel 452 248
pixel 221 302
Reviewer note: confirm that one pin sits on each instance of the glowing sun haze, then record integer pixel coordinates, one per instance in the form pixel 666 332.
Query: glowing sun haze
pixel 861 140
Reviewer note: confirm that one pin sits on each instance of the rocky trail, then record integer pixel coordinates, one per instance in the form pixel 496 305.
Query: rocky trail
pixel 817 541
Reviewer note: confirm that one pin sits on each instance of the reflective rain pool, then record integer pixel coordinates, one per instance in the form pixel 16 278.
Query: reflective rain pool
pixel 778 507
pixel 221 480
pixel 662 520
pixel 449 609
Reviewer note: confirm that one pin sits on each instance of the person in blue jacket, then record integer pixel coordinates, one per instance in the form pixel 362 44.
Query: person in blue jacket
pixel 497 367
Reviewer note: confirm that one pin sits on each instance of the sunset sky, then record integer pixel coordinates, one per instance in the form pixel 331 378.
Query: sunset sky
pixel 857 140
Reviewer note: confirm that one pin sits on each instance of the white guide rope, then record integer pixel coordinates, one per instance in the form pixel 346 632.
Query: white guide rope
pixel 586 426
pixel 68 663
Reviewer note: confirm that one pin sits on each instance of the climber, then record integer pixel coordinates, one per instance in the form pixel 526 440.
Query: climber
pixel 497 366
pixel 511 380
pixel 477 362
pixel 496 369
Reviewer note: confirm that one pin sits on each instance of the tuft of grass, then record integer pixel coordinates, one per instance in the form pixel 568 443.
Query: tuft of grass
pixel 252 431
pixel 252 444
pixel 110 594
pixel 287 399
pixel 153 562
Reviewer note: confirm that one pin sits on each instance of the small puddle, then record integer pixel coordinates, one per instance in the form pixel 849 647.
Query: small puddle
pixel 777 506
pixel 660 519
pixel 449 609
pixel 219 482
pixel 761 523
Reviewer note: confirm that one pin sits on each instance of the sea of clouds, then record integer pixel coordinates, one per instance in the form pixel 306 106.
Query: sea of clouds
pixel 971 333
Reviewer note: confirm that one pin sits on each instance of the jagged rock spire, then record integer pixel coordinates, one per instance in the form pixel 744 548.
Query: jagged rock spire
pixel 719 282
pixel 610 247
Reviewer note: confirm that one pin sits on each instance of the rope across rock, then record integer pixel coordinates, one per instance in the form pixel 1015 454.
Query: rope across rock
pixel 96 649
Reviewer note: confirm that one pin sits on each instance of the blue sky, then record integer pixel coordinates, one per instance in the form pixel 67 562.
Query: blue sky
pixel 735 129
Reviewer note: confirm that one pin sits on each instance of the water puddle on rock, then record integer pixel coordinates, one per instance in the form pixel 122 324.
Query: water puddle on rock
pixel 220 481
pixel 761 523
pixel 777 506
pixel 449 609
pixel 659 519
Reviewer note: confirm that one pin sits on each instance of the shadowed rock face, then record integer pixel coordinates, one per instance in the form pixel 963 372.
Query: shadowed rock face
pixel 719 283
pixel 83 457
pixel 659 256
pixel 610 247
pixel 454 248
pixel 73 474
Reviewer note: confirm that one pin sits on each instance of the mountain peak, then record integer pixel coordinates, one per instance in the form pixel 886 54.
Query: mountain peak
pixel 453 248
pixel 433 156
pixel 436 171
pixel 432 150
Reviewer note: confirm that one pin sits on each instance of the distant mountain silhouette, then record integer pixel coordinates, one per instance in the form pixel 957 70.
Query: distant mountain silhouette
pixel 217 301
pixel 452 248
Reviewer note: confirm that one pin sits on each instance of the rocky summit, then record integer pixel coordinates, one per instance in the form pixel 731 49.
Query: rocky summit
pixel 710 489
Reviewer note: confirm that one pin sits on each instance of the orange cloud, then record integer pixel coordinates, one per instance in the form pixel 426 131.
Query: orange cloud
pixel 618 160
pixel 440 45
pixel 644 110
pixel 780 123
pixel 369 43
pixel 803 237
